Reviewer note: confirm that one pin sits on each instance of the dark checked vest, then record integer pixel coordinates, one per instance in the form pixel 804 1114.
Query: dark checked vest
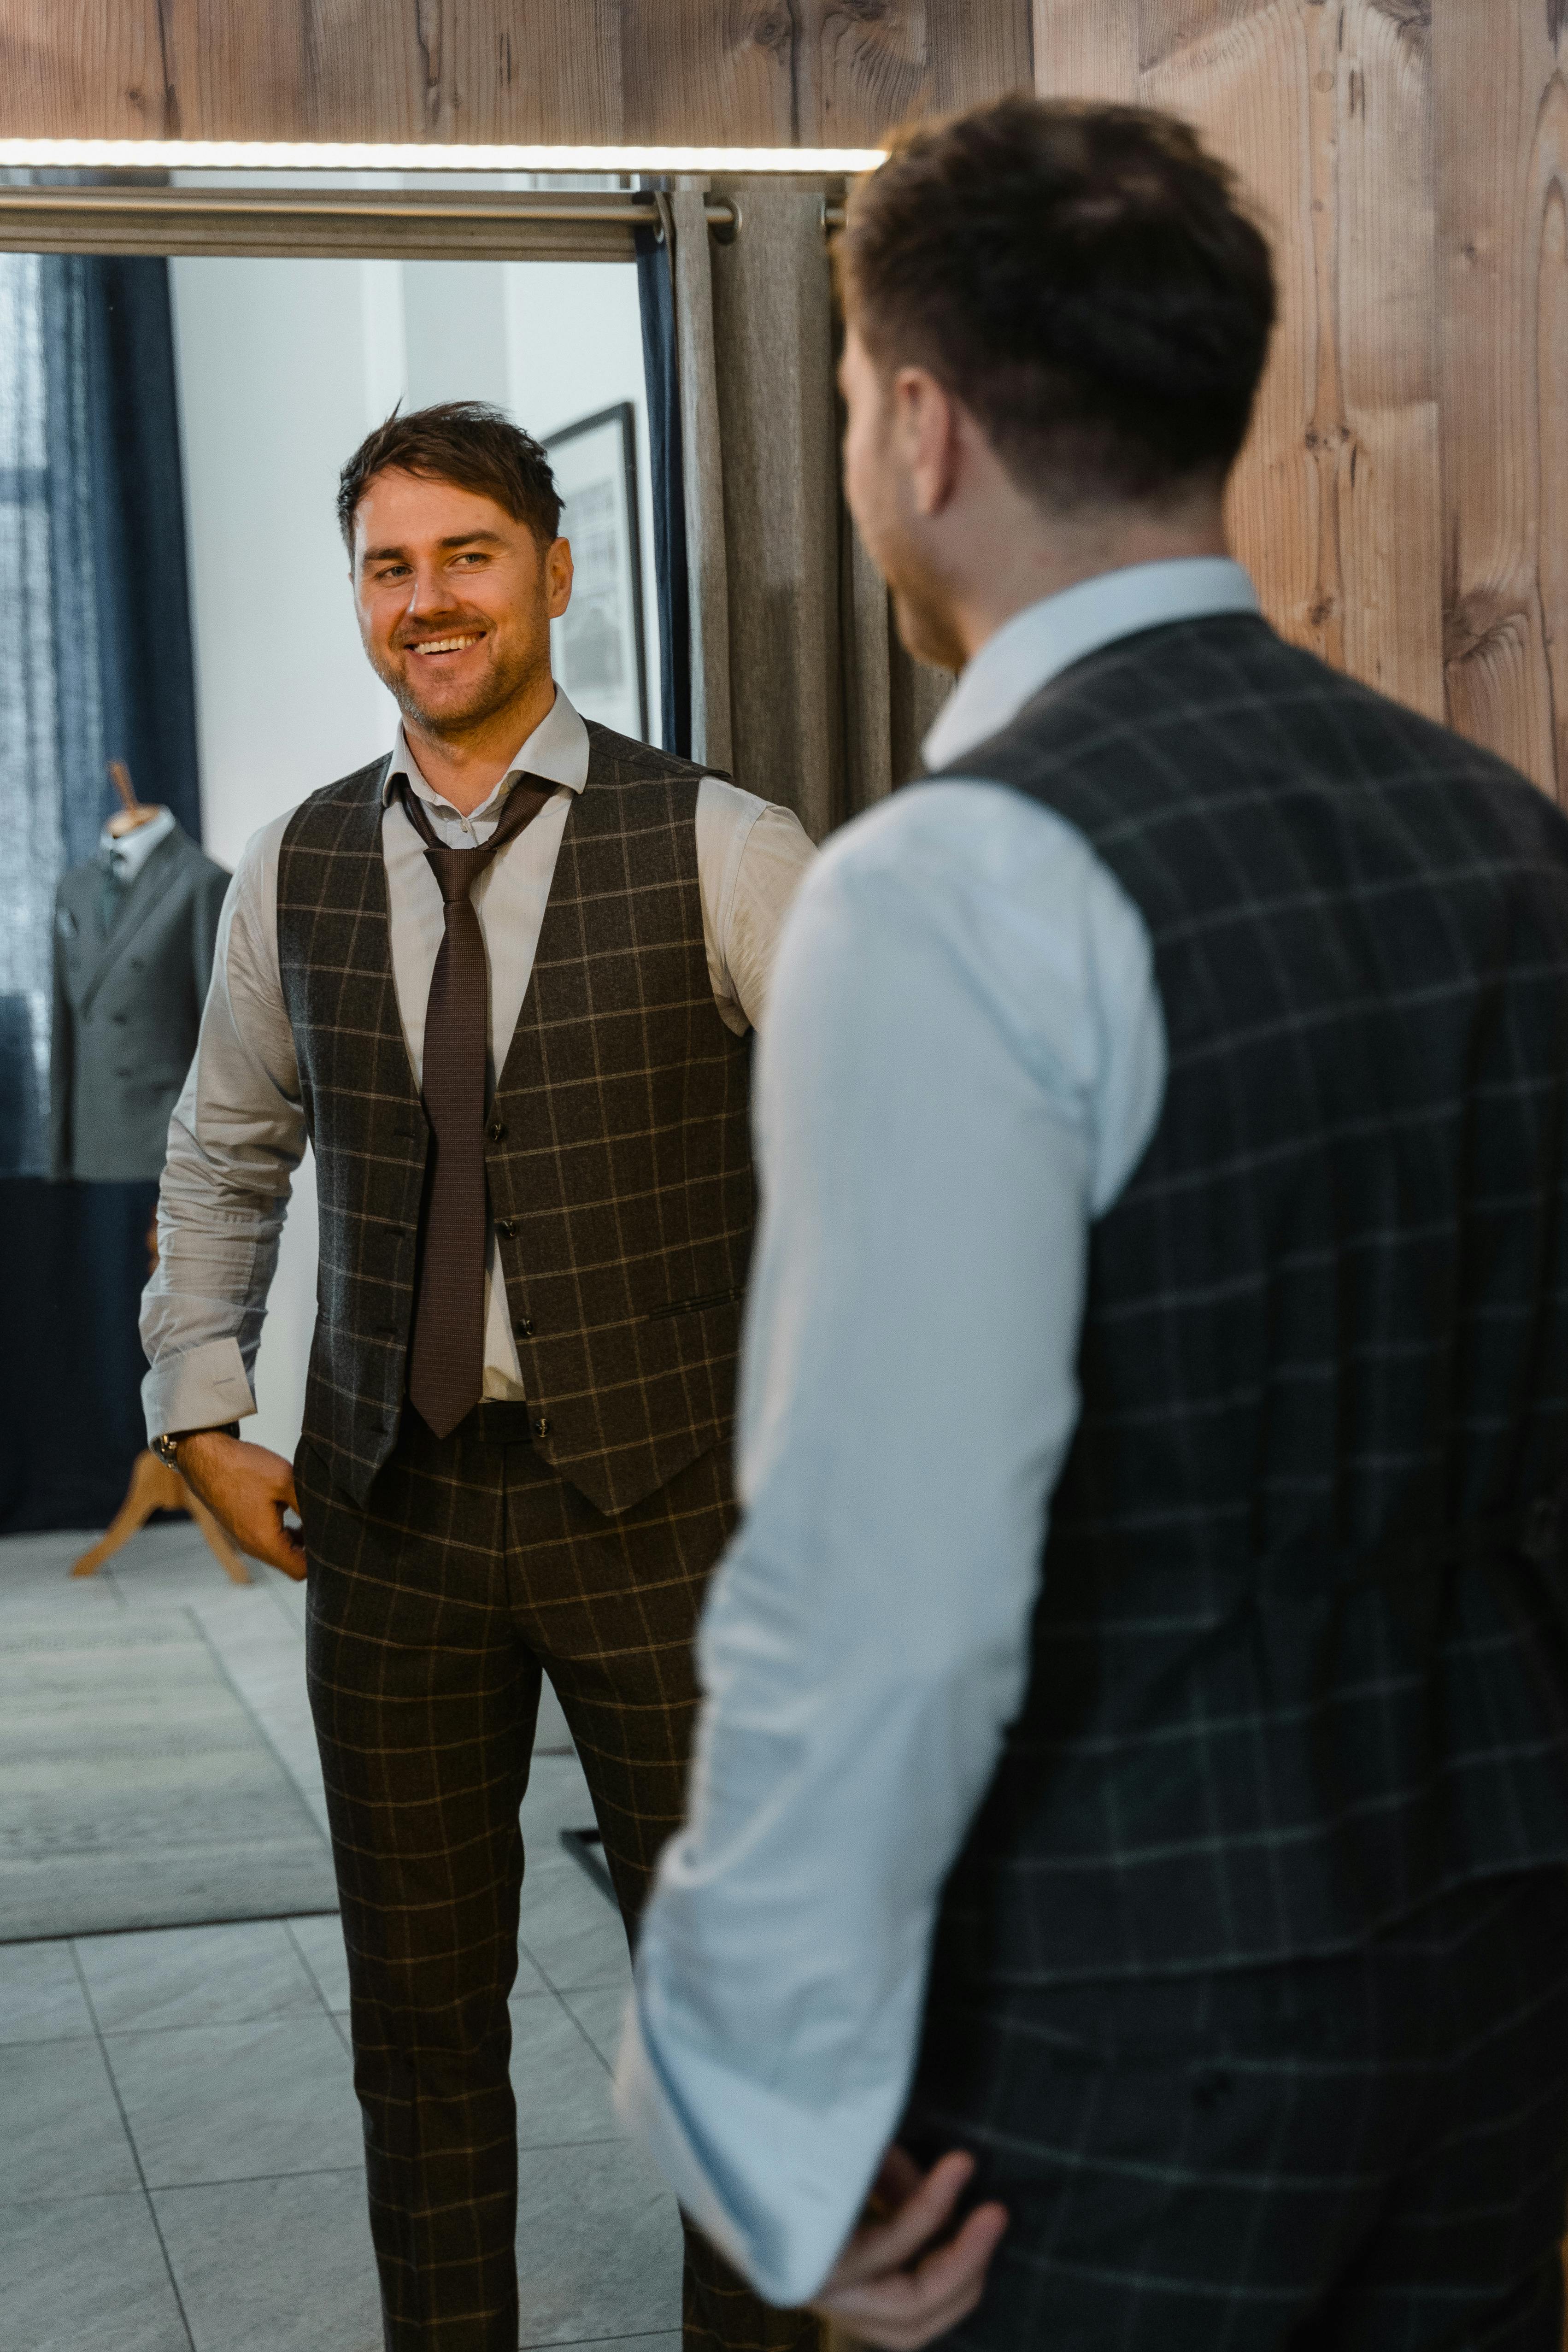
pixel 618 1151
pixel 1301 1653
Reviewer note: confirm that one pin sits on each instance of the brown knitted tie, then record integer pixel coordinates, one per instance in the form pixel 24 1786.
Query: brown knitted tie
pixel 446 1356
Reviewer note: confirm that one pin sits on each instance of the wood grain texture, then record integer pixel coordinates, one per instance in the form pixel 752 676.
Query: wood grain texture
pixel 1502 135
pixel 726 72
pixel 1325 113
pixel 446 71
pixel 862 66
pixel 1403 500
pixel 1087 48
pixel 720 69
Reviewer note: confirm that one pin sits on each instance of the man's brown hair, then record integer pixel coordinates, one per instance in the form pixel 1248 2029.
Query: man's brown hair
pixel 1082 279
pixel 461 441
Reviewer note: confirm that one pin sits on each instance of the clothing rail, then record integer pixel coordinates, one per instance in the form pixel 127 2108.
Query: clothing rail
pixel 401 224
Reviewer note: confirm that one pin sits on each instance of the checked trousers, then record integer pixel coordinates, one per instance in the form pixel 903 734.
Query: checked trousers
pixel 431 1613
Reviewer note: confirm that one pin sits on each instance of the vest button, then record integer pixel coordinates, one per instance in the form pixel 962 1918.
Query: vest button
pixel 496 1130
pixel 541 1427
pixel 524 1327
pixel 506 1227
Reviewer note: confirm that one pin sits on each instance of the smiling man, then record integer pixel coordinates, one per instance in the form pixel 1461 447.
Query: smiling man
pixel 502 979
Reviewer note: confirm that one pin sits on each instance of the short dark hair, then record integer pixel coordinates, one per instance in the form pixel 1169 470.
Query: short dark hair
pixel 461 441
pixel 1082 277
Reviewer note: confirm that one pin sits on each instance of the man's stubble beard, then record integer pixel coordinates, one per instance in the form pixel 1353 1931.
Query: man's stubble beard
pixel 920 608
pixel 492 695
pixel 920 614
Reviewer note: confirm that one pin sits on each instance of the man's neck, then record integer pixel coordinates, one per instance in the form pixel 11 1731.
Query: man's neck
pixel 466 768
pixel 1026 567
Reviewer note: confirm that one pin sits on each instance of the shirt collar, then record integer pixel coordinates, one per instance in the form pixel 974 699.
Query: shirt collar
pixel 126 854
pixel 556 750
pixel 1028 651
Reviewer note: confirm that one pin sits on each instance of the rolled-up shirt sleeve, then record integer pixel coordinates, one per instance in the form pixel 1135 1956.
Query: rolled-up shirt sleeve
pixel 963 1061
pixel 752 855
pixel 236 1137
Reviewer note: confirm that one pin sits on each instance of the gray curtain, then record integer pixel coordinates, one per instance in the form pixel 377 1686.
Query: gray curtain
pixel 95 665
pixel 799 685
pixel 96 662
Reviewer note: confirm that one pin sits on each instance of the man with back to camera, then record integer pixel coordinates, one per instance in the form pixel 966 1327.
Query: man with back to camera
pixel 502 980
pixel 1164 1135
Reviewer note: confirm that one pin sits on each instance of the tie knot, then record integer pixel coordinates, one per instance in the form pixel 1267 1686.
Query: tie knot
pixel 457 870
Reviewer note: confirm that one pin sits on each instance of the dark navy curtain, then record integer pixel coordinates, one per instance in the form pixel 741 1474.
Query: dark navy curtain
pixel 657 299
pixel 96 665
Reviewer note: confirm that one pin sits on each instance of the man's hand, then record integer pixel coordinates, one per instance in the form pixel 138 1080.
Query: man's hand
pixel 883 2288
pixel 247 1489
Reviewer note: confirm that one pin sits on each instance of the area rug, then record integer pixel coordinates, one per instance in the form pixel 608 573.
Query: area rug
pixel 138 1790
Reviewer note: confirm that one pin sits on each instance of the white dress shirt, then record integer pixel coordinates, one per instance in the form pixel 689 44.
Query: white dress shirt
pixel 125 854
pixel 238 1130
pixel 964 1062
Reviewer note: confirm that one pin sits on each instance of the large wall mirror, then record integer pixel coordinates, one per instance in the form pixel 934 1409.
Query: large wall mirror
pixel 186 360
pixel 295 309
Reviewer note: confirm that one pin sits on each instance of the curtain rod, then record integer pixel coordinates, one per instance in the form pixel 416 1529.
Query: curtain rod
pixel 403 223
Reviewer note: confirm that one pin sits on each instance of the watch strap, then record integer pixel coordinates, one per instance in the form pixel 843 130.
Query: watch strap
pixel 167 1445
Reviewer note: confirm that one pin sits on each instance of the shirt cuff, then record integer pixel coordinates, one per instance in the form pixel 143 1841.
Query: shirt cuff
pixel 778 2189
pixel 201 1390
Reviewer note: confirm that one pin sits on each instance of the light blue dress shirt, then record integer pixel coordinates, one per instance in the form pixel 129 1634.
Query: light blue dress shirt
pixel 964 1060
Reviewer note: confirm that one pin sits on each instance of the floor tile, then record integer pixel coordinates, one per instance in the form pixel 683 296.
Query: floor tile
pixel 563 2089
pixel 551 1736
pixel 86 2274
pixel 528 1981
pixel 557 1799
pixel 320 1940
pixel 290 1599
pixel 653 2343
pixel 238 2102
pixel 62 2135
pixel 170 1555
pixel 196 1976
pixel 602 2013
pixel 45 1554
pixel 599 2244
pixel 275 2265
pixel 569 1931
pixel 41 1999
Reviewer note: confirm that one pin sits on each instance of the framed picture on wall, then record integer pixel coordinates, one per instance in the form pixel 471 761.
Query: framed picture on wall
pixel 597 646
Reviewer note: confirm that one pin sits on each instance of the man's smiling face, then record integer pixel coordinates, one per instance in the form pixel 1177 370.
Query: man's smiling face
pixel 454 599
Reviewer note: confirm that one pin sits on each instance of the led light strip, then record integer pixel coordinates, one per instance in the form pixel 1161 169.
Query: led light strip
pixel 257 154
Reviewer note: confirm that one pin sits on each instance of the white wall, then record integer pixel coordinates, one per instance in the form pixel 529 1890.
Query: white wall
pixel 283 367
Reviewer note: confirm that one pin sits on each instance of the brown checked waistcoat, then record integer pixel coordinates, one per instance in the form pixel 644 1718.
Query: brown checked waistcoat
pixel 617 1147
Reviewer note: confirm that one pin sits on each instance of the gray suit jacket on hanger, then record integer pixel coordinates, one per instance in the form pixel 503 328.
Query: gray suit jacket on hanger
pixel 127 1005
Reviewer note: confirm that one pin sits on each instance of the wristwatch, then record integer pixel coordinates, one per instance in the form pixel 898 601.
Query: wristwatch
pixel 167 1447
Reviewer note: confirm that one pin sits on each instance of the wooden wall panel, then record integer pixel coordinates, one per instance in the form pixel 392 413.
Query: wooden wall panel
pixel 864 66
pixel 728 73
pixel 722 69
pixel 1325 113
pixel 448 71
pixel 1502 135
pixel 1087 48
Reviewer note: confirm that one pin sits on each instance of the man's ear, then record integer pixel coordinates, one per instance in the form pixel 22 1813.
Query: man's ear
pixel 926 432
pixel 558 576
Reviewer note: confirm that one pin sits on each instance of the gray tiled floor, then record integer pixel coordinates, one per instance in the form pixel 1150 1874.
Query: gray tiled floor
pixel 179 2163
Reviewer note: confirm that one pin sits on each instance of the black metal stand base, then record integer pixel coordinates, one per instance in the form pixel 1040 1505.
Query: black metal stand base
pixel 586 1848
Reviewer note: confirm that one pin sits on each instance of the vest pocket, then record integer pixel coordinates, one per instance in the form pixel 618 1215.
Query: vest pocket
pixel 694 1305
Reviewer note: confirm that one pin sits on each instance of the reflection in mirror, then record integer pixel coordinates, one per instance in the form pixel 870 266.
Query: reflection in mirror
pixel 183 666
